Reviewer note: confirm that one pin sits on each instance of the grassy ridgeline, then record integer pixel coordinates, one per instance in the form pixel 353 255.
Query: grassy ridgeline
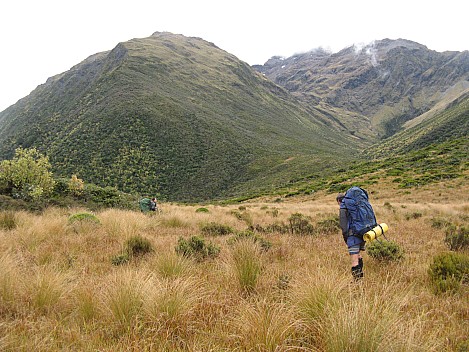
pixel 59 289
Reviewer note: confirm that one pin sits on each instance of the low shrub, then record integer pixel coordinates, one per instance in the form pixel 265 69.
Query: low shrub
pixel 137 246
pixel 120 259
pixel 414 215
pixel 448 271
pixel 237 214
pixel 457 237
pixel 215 229
pixel 394 172
pixel 134 247
pixel 272 228
pixel 300 224
pixel 329 225
pixel 385 251
pixel 243 216
pixel 195 247
pixel 78 217
pixel 9 203
pixel 104 196
pixel 440 223
pixel 202 210
pixel 250 235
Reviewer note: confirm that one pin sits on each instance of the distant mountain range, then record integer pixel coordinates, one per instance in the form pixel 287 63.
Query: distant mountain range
pixel 375 89
pixel 179 117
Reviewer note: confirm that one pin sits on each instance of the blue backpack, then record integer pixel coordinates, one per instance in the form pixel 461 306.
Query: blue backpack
pixel 361 215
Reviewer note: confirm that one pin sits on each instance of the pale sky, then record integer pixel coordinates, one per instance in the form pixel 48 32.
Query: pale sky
pixel 42 38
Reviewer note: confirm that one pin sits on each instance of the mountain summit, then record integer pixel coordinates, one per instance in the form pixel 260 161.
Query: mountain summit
pixel 171 115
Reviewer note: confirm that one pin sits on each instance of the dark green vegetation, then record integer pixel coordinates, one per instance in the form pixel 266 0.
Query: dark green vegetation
pixel 135 247
pixel 298 224
pixel 457 237
pixel 385 251
pixel 180 118
pixel 196 247
pixel 93 197
pixel 27 183
pixel 78 217
pixel 214 229
pixel 434 150
pixel 434 163
pixel 448 271
pixel 448 125
pixel 170 115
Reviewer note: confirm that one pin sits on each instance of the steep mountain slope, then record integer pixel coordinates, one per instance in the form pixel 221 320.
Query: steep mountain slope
pixel 387 83
pixel 434 151
pixel 451 124
pixel 172 115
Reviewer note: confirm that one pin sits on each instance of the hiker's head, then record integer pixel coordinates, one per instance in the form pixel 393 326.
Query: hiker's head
pixel 339 197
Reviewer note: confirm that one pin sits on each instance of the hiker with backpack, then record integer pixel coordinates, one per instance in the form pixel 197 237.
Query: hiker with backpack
pixel 146 204
pixel 356 217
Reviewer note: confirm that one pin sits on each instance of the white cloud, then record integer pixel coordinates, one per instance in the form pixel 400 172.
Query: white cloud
pixel 43 38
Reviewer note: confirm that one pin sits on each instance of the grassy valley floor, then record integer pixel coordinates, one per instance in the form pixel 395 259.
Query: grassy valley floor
pixel 60 291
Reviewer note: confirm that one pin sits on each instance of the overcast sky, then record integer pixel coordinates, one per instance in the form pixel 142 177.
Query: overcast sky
pixel 42 38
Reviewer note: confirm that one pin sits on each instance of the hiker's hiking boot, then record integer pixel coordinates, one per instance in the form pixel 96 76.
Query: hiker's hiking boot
pixel 357 272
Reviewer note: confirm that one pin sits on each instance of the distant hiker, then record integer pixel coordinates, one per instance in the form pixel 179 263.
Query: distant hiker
pixel 153 204
pixel 356 217
pixel 147 204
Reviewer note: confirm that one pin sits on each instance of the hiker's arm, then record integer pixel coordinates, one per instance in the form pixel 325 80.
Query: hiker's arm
pixel 343 220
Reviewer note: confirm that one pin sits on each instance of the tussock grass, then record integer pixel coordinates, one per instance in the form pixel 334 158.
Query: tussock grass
pixel 318 293
pixel 371 318
pixel 170 265
pixel 266 326
pixel 9 287
pixel 247 264
pixel 123 297
pixel 174 222
pixel 118 223
pixel 86 304
pixel 172 301
pixel 47 289
pixel 59 290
